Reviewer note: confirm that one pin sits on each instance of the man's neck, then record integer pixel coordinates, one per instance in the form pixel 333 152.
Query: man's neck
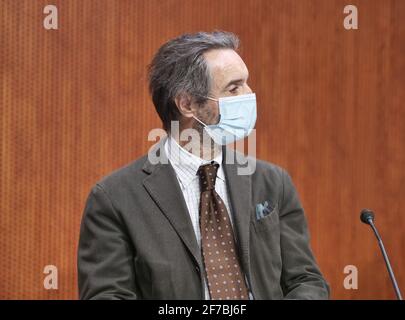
pixel 206 150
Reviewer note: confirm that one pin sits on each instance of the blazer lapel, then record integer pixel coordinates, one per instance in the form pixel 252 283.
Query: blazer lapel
pixel 163 187
pixel 239 189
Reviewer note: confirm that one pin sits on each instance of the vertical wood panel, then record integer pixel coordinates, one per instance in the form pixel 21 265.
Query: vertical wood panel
pixel 75 106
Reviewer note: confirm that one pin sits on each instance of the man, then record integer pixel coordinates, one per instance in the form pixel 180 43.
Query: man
pixel 192 225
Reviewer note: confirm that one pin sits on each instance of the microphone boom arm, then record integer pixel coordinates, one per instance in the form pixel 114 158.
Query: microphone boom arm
pixel 387 261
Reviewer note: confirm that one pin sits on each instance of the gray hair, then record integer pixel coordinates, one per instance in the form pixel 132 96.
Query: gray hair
pixel 179 67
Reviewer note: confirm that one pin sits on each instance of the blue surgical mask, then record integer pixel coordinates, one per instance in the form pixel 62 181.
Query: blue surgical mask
pixel 237 119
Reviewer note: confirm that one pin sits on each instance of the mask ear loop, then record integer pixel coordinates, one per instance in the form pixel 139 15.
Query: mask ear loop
pixel 199 121
pixel 212 99
pixel 209 98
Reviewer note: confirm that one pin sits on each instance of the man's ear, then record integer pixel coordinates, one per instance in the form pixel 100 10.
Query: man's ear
pixel 185 105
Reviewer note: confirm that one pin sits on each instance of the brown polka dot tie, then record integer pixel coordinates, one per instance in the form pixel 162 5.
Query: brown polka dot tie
pixel 224 275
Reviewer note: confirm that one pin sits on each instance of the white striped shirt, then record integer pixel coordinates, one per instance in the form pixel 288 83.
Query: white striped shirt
pixel 185 165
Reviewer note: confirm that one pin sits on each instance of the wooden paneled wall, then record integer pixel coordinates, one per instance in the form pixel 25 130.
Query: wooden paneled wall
pixel 75 106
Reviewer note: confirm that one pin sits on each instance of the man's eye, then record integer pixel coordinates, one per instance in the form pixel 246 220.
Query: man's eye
pixel 234 90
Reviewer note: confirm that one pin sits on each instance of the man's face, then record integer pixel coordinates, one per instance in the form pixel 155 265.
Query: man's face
pixel 229 76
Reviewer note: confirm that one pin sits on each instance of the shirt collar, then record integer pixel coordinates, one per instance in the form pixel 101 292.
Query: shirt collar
pixel 188 163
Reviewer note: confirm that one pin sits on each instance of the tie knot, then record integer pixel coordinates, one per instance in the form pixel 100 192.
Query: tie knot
pixel 208 175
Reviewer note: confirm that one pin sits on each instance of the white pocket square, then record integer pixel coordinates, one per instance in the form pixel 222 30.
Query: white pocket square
pixel 264 209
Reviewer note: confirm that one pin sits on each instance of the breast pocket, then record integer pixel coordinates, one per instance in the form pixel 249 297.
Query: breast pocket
pixel 268 223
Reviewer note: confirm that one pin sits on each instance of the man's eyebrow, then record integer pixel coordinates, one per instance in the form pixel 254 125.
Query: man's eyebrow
pixel 235 81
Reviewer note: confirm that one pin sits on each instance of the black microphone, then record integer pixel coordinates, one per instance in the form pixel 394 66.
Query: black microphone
pixel 367 217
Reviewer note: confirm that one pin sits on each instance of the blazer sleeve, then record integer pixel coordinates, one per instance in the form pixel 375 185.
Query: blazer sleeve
pixel 105 264
pixel 300 277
